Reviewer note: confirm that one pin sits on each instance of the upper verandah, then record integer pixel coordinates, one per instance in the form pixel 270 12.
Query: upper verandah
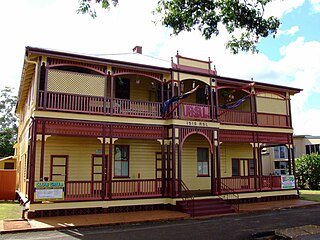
pixel 186 71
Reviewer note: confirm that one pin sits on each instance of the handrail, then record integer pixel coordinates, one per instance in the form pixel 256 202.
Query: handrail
pixel 230 191
pixel 188 197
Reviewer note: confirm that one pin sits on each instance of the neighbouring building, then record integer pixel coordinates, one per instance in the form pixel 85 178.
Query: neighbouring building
pixel 8 162
pixel 113 133
pixel 306 144
pixel 275 159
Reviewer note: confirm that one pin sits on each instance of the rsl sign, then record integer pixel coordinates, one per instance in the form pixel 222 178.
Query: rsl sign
pixel 49 191
pixel 194 111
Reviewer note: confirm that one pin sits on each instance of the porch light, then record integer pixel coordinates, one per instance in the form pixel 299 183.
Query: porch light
pixel 138 81
pixel 193 84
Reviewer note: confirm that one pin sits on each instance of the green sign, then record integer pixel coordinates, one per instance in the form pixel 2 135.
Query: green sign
pixel 49 191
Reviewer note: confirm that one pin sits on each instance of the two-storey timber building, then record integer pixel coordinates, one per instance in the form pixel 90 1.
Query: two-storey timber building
pixel 100 134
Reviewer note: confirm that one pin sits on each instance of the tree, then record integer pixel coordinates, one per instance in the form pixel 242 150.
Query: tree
pixel 308 171
pixel 8 122
pixel 244 20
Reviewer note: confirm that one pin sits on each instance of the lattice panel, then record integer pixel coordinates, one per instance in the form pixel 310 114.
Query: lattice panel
pixel 142 132
pixel 56 127
pixel 75 83
pixel 236 136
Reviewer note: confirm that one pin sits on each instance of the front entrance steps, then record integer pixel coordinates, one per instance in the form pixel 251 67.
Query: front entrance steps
pixel 205 207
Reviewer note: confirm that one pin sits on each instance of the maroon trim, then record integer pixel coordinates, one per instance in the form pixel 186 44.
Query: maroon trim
pixel 66 157
pixel 32 161
pixel 54 66
pixel 114 172
pixel 111 93
pixel 45 90
pixel 38 82
pixel 179 163
pixel 104 163
pixel 173 179
pixel 42 151
pixel 268 86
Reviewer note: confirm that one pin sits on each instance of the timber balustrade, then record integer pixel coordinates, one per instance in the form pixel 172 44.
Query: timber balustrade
pixel 144 188
pixel 55 101
pixel 136 188
pixel 251 183
pixel 135 108
pixel 121 189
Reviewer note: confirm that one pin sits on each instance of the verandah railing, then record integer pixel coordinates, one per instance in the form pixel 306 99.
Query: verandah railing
pixel 251 183
pixel 57 101
pixel 121 189
pixel 144 188
pixel 95 104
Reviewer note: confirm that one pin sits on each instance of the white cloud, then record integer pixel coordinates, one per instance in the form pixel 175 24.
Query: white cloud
pixel 279 8
pixel 290 32
pixel 315 5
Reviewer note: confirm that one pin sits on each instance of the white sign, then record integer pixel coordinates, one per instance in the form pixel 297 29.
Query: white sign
pixel 287 182
pixel 49 191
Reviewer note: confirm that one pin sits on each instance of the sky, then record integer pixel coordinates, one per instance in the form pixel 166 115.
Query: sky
pixel 292 58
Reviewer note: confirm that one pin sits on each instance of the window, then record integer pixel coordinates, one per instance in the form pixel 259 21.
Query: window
pixel 251 167
pixel 121 161
pixel 314 148
pixel 243 167
pixel 280 167
pixel 235 167
pixel 280 152
pixel 9 165
pixel 203 161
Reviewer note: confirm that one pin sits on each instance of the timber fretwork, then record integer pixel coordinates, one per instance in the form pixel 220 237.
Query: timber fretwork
pixel 125 71
pixel 53 62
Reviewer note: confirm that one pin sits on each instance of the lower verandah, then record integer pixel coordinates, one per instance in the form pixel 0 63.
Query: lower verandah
pixel 78 162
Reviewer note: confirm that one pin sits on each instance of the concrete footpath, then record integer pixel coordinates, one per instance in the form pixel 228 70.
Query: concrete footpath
pixel 64 222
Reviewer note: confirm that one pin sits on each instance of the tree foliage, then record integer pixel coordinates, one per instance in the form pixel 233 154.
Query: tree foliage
pixel 8 122
pixel 308 171
pixel 244 20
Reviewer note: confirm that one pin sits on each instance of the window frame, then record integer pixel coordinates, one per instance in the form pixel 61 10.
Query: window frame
pixel 122 160
pixel 202 161
pixel 245 167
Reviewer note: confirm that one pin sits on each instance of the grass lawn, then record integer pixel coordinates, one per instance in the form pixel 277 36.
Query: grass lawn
pixel 10 210
pixel 311 195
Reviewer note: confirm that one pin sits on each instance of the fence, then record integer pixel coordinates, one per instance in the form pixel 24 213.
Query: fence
pixel 7 184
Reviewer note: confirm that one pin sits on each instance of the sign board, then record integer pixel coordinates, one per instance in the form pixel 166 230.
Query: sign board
pixel 287 182
pixel 49 191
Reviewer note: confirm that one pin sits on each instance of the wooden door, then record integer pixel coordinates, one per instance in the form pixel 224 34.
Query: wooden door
pixel 97 174
pixel 97 168
pixel 59 168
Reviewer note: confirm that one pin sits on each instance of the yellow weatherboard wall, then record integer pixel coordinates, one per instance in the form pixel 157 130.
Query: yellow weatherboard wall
pixel 273 105
pixel 233 150
pixel 142 157
pixel 193 63
pixel 78 149
pixel 189 163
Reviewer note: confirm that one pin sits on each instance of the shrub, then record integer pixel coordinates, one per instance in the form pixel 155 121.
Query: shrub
pixel 308 171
